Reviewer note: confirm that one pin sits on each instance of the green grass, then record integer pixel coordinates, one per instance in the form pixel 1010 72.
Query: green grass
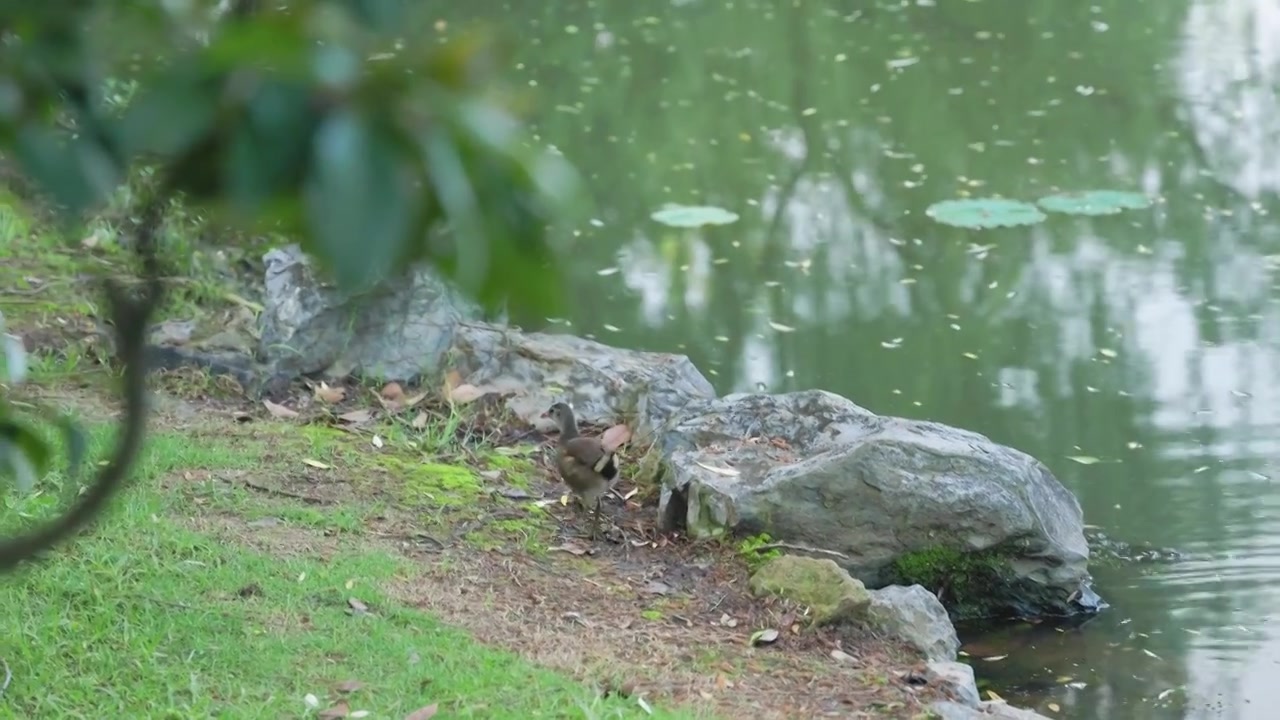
pixel 146 617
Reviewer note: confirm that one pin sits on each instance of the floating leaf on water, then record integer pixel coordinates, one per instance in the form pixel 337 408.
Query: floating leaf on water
pixel 1094 202
pixel 608 271
pixel 978 213
pixel 995 658
pixel 1151 654
pixel 1084 459
pixel 1053 707
pixel 1107 352
pixel 691 216
pixel 780 327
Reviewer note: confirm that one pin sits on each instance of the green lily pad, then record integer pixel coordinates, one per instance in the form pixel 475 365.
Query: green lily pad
pixel 980 213
pixel 1094 202
pixel 690 216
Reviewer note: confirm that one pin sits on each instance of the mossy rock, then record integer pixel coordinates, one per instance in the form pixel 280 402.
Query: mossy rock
pixel 971 585
pixel 829 592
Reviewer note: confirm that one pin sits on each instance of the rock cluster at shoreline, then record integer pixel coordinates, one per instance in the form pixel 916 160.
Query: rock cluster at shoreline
pixel 915 510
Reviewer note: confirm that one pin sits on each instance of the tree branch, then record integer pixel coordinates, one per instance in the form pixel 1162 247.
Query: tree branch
pixel 131 313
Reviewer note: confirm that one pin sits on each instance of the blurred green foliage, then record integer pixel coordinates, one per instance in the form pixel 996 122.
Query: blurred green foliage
pixel 344 123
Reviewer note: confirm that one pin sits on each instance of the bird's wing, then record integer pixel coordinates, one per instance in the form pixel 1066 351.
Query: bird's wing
pixel 585 451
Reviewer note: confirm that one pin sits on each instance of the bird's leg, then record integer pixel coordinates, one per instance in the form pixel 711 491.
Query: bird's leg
pixel 595 521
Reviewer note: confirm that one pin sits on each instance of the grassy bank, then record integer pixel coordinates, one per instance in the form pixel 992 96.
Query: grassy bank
pixel 155 615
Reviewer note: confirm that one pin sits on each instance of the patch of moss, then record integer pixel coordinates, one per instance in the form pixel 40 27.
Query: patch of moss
pixel 748 548
pixel 499 462
pixel 706 527
pixel 969 584
pixel 831 595
pixel 530 532
pixel 517 471
pixel 437 483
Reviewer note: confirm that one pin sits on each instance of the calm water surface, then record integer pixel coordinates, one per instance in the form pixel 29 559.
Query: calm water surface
pixel 1149 340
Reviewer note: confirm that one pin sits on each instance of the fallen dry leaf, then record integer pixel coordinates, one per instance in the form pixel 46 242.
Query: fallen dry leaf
pixel 419 421
pixel 727 471
pixel 615 437
pixel 337 711
pixel 423 713
pixel 356 417
pixel 357 605
pixel 764 637
pixel 279 411
pixel 452 379
pixel 348 686
pixel 392 392
pixel 572 548
pixel 326 393
pixel 316 464
pixel 465 393
pixel 401 402
pixel 657 587
pixel 841 656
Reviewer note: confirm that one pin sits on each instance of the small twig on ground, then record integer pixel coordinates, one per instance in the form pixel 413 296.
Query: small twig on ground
pixel 800 548
pixel 284 493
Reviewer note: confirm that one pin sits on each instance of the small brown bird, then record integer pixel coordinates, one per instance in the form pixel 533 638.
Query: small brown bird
pixel 584 464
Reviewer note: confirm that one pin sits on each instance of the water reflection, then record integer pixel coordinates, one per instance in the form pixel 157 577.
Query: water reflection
pixel 1149 340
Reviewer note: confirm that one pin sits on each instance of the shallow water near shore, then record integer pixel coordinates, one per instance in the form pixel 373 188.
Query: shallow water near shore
pixel 1135 354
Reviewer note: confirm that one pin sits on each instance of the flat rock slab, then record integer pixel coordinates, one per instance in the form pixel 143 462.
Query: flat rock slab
pixel 604 384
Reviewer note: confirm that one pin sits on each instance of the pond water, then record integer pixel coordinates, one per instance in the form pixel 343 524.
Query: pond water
pixel 1148 340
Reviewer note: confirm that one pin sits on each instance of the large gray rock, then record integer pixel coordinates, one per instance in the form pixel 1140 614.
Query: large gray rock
pixel 418 325
pixel 397 331
pixel 915 615
pixel 958 679
pixel 813 468
pixel 604 384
